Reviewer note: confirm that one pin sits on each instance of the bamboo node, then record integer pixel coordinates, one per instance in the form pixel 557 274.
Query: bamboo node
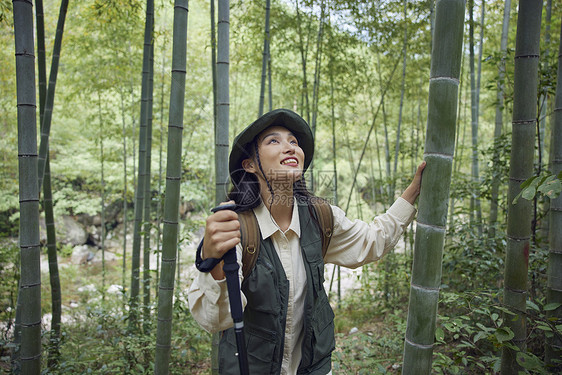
pixel 424 288
pixel 420 346
pixel 438 228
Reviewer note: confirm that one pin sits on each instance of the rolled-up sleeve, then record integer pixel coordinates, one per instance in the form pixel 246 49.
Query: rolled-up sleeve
pixel 208 300
pixel 355 243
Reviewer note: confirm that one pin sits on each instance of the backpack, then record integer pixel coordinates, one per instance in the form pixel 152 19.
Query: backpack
pixel 250 234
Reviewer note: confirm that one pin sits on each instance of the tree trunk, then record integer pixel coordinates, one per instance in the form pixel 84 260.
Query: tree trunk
pixel 554 284
pixel 29 296
pixel 50 97
pixel 432 217
pixel 499 120
pixel 173 177
pixel 141 179
pixel 520 169
pixel 264 57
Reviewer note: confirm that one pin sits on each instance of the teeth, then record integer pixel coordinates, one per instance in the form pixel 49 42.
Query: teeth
pixel 289 161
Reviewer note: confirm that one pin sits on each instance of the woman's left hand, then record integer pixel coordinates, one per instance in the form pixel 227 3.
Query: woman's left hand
pixel 413 190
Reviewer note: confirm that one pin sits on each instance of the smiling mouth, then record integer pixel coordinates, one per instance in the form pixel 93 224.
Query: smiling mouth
pixel 290 161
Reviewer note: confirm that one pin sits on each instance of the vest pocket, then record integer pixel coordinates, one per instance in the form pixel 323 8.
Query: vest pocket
pixel 260 344
pixel 323 329
pixel 313 255
pixel 260 288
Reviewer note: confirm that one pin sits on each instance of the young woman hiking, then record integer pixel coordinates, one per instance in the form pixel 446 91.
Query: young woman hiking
pixel 288 322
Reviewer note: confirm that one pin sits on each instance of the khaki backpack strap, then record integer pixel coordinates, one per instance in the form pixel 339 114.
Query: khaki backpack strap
pixel 250 240
pixel 326 220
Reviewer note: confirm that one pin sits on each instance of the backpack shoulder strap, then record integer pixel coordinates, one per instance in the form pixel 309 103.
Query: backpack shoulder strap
pixel 250 239
pixel 326 220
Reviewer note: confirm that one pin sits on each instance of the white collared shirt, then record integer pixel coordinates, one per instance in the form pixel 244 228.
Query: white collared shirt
pixel 353 244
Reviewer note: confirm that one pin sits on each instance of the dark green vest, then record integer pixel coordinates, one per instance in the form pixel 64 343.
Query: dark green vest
pixel 267 291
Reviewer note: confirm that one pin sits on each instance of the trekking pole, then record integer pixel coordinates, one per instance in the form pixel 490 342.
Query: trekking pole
pixel 230 269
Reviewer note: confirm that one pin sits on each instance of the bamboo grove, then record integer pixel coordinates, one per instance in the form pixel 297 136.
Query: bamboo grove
pixel 102 204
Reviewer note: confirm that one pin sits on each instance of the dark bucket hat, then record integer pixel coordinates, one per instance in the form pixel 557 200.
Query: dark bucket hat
pixel 279 117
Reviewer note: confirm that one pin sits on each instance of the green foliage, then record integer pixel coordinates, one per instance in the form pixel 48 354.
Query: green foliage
pixel 547 185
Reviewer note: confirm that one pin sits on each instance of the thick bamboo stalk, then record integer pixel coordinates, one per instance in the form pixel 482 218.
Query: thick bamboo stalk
pixel 173 177
pixel 554 284
pixel 520 169
pixel 50 97
pixel 264 57
pixel 432 217
pixel 140 187
pixel 214 61
pixel 30 279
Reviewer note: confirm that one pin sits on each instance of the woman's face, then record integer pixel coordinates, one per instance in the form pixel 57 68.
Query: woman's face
pixel 281 157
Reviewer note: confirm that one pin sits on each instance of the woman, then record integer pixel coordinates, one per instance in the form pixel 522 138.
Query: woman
pixel 288 322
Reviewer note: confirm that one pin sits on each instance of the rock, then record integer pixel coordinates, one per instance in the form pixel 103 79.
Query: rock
pixel 71 231
pixel 81 254
pixel 109 257
pixel 353 330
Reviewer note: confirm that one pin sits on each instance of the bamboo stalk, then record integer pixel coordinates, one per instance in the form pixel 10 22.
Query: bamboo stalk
pixel 50 97
pixel 29 297
pixel 554 284
pixel 173 177
pixel 432 217
pixel 141 179
pixel 264 57
pixel 146 277
pixel 520 169
pixel 499 119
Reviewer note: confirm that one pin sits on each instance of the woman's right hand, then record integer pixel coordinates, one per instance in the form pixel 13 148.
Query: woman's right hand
pixel 222 233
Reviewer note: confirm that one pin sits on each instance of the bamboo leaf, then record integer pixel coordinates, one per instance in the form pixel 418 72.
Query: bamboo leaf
pixel 551 188
pixel 439 334
pixel 504 334
pixel 528 182
pixel 529 193
pixel 533 306
pixel 552 306
pixel 529 361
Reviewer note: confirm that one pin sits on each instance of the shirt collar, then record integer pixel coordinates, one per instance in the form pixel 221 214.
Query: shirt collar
pixel 267 224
